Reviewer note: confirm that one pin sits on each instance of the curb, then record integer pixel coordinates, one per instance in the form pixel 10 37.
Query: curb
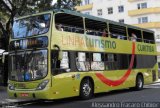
pixel 15 102
pixel 158 81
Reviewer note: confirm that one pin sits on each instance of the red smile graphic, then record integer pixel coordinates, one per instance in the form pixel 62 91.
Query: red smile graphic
pixel 123 78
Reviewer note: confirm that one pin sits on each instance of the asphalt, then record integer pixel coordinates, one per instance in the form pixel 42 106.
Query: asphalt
pixel 4 99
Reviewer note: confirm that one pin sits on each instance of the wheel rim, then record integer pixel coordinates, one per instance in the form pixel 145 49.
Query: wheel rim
pixel 140 83
pixel 86 89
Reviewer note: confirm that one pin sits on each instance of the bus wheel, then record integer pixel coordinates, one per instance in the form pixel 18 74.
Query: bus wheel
pixel 139 82
pixel 86 89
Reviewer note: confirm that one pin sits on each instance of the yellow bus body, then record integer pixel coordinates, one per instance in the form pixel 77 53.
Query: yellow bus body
pixel 68 84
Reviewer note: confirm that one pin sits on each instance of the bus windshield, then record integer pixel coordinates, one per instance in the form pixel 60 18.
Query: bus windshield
pixel 28 65
pixel 31 26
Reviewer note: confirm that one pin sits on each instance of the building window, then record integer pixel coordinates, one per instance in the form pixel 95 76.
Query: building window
pixel 121 20
pixel 110 10
pixel 87 2
pixel 158 37
pixel 139 21
pixel 142 5
pixel 139 6
pixel 120 9
pixel 142 20
pixel 99 12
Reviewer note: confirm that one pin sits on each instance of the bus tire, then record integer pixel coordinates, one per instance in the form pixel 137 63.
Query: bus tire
pixel 86 89
pixel 139 82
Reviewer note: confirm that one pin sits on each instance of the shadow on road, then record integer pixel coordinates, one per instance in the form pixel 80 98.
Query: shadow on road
pixel 115 92
pixel 73 101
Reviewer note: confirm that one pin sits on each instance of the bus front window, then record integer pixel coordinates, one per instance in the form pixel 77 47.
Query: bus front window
pixel 31 26
pixel 28 66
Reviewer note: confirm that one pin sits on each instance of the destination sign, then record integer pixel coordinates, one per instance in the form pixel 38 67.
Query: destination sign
pixel 38 42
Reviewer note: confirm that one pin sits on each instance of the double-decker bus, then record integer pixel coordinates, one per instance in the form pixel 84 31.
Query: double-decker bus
pixel 59 54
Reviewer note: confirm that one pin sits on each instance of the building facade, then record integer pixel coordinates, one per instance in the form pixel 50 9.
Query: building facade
pixel 141 13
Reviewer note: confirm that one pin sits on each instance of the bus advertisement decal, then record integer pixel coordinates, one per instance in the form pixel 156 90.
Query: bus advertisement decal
pixel 123 78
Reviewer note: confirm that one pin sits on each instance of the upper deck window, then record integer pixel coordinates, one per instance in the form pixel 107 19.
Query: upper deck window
pixel 148 37
pixel 31 26
pixel 99 12
pixel 141 5
pixel 117 31
pixel 96 28
pixel 135 34
pixel 69 23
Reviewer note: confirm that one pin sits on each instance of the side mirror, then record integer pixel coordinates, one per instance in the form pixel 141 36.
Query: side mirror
pixel 59 52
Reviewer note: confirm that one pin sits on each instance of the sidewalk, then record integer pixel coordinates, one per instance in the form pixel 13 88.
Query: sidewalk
pixel 158 81
pixel 3 94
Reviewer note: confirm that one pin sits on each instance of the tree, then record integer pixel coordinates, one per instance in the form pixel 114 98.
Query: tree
pixel 13 8
pixel 67 4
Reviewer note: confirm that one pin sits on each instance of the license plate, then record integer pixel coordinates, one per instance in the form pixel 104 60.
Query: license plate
pixel 24 94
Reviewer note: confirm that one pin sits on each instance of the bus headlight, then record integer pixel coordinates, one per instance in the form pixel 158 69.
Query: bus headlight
pixel 42 85
pixel 11 87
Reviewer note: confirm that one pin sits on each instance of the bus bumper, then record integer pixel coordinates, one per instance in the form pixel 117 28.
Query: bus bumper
pixel 30 94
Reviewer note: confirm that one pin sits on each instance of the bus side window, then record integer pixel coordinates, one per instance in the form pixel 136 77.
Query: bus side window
pixel 97 62
pixel 135 61
pixel 148 37
pixel 96 28
pixel 135 35
pixel 69 23
pixel 122 60
pixel 59 66
pixel 111 61
pixel 65 61
pixel 117 31
pixel 82 61
pixel 106 61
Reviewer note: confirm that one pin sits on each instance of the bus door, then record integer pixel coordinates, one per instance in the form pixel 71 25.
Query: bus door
pixel 64 72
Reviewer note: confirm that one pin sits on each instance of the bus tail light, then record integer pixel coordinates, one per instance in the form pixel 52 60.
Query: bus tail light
pixel 42 85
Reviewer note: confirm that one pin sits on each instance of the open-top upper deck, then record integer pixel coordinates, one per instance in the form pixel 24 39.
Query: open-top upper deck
pixel 89 33
pixel 85 32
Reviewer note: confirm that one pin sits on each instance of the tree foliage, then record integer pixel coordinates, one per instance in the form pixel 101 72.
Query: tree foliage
pixel 67 4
